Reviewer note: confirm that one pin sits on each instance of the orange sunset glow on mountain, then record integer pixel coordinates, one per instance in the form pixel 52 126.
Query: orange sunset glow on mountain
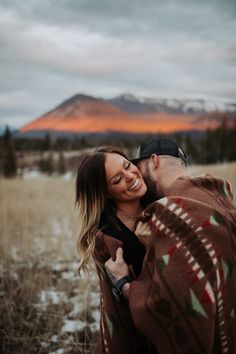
pixel 85 114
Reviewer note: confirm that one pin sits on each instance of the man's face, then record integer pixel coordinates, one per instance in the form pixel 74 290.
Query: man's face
pixel 153 193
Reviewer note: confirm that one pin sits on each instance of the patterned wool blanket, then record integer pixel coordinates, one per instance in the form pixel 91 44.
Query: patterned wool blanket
pixel 185 298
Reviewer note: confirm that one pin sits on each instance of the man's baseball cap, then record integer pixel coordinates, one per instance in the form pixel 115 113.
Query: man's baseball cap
pixel 159 147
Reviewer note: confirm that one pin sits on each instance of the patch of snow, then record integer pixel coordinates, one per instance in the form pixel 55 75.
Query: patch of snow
pixel 58 351
pixel 96 315
pixel 74 266
pixel 59 266
pixel 32 174
pixel 94 299
pixel 67 176
pixel 95 325
pixel 54 339
pixel 15 276
pixel 44 345
pixel 69 275
pixel 71 326
pixel 55 297
pixel 14 254
pixel 77 307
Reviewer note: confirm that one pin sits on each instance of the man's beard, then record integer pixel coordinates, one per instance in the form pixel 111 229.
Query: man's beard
pixel 152 193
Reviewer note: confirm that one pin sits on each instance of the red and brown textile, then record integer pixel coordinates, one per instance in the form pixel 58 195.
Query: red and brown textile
pixel 117 332
pixel 184 301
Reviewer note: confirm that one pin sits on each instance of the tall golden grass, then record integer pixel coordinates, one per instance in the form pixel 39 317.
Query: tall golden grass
pixel 42 298
pixel 45 307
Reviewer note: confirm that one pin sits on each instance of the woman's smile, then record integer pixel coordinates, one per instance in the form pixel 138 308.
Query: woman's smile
pixel 135 185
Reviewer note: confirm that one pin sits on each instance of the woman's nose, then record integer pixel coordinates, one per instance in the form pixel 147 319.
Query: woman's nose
pixel 129 176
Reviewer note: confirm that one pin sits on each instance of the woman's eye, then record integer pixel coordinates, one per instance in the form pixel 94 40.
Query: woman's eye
pixel 116 181
pixel 127 165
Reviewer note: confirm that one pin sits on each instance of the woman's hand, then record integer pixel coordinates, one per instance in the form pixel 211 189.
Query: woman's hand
pixel 117 269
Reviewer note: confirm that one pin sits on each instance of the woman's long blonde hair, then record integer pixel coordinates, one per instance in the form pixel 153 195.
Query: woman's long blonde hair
pixel 91 198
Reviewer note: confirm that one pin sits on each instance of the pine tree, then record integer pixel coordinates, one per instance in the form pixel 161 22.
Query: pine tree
pixel 191 148
pixel 231 143
pixel 222 133
pixel 61 164
pixel 47 143
pixel 46 164
pixel 1 157
pixel 9 157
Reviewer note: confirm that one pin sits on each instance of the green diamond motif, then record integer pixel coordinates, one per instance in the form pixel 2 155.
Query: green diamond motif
pixel 165 258
pixel 225 269
pixel 197 305
pixel 213 220
pixel 218 219
pixel 109 324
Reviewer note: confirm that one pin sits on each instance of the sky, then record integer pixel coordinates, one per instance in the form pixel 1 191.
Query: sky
pixel 51 50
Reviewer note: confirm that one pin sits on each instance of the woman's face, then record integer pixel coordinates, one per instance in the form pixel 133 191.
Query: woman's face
pixel 124 180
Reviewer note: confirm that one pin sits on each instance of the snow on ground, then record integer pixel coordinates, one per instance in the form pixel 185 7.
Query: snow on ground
pixel 58 351
pixel 73 326
pixel 53 296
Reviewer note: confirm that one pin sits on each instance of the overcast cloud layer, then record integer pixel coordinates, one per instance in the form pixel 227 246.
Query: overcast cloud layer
pixel 53 49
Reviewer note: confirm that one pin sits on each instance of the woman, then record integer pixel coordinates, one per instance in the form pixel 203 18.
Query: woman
pixel 108 192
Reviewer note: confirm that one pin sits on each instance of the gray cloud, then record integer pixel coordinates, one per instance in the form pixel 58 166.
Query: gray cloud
pixel 53 49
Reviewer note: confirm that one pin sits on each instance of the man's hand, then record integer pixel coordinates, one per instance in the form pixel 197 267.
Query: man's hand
pixel 117 269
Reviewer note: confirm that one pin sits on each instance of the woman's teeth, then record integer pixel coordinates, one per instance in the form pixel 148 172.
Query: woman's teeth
pixel 134 185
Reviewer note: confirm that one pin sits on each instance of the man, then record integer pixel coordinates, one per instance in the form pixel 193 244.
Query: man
pixel 185 298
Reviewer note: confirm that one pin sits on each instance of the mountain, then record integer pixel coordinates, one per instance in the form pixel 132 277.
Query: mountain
pixel 83 114
pixel 138 105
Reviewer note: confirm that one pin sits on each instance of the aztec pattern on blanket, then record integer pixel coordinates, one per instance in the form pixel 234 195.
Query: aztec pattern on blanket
pixel 185 298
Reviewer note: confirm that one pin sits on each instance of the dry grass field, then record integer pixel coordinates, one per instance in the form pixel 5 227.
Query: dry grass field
pixel 45 307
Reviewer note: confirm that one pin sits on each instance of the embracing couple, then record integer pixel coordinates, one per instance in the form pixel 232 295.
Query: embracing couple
pixel 164 245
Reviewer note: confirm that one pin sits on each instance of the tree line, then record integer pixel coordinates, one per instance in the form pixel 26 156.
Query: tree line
pixel 10 147
pixel 212 146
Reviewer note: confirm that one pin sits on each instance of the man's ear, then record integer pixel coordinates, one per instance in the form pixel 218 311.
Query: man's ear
pixel 155 161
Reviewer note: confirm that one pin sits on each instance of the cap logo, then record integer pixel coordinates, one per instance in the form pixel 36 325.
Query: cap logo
pixel 137 153
pixel 181 153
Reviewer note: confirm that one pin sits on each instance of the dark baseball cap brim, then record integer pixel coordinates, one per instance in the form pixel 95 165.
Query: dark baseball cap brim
pixel 159 147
